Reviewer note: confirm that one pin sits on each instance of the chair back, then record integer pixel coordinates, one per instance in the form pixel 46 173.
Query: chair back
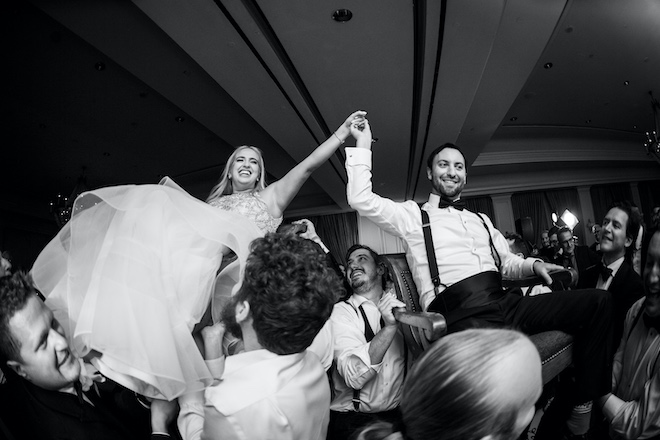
pixel 406 291
pixel 555 347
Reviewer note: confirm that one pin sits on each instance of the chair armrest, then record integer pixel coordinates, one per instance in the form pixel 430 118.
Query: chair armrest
pixel 561 280
pixel 433 324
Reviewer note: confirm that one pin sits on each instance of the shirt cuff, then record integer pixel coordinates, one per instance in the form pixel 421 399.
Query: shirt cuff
pixel 377 367
pixel 528 266
pixel 358 156
pixel 363 355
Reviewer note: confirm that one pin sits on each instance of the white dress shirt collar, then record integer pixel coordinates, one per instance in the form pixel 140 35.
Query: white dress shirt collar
pixel 615 266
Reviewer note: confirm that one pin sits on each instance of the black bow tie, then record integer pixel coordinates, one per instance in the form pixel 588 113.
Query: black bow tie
pixel 652 322
pixel 604 271
pixel 446 203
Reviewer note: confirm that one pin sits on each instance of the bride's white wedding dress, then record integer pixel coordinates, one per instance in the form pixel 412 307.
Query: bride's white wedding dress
pixel 131 274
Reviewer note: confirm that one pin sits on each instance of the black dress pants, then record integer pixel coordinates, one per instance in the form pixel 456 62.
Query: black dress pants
pixel 345 425
pixel 585 314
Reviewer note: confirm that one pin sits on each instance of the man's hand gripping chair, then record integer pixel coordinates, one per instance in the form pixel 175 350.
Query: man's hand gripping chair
pixel 421 329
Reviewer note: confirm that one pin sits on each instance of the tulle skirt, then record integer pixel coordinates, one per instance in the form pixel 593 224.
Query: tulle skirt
pixel 131 274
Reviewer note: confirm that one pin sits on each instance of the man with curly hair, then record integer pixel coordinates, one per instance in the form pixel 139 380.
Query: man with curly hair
pixel 276 388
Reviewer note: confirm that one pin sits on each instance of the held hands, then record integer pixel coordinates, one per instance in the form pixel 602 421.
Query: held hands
pixel 214 332
pixel 163 414
pixel 345 129
pixel 213 337
pixel 542 269
pixel 361 131
pixel 388 302
pixel 310 232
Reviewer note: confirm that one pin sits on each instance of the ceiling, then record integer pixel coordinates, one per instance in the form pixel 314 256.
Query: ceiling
pixel 538 93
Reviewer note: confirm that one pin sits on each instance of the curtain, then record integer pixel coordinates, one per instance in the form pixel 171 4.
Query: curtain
pixel 337 231
pixel 602 196
pixel 483 204
pixel 539 206
pixel 532 205
pixel 649 194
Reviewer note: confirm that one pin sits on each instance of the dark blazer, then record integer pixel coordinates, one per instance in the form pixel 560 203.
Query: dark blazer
pixel 584 257
pixel 31 412
pixel 626 287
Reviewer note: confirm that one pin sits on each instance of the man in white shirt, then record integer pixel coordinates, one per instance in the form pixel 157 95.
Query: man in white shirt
pixel 369 351
pixel 275 389
pixel 472 256
pixel 615 272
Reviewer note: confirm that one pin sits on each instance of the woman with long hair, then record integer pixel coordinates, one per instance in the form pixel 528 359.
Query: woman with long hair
pixel 136 268
pixel 242 187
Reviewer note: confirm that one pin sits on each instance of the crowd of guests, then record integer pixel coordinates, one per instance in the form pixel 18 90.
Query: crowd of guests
pixel 155 314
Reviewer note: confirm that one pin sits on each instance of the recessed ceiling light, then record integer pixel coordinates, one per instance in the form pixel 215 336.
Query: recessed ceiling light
pixel 547 66
pixel 625 83
pixel 342 15
pixel 179 119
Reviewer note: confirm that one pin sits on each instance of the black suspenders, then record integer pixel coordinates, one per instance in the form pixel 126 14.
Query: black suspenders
pixel 430 249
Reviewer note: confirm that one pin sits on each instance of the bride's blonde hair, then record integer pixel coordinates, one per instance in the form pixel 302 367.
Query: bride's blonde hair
pixel 225 186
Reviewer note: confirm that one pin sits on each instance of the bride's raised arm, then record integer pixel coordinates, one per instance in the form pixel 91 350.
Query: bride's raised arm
pixel 278 195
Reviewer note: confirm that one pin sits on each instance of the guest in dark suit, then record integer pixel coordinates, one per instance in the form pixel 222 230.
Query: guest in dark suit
pixel 574 256
pixel 555 249
pixel 546 252
pixel 615 273
pixel 48 394
pixel 595 229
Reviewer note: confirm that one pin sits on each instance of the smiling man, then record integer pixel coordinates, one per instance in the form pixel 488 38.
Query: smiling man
pixel 615 272
pixel 369 350
pixel 471 258
pixel 45 395
pixel 574 256
pixel 633 407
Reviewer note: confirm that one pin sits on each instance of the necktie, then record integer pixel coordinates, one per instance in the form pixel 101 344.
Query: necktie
pixel 604 271
pixel 446 203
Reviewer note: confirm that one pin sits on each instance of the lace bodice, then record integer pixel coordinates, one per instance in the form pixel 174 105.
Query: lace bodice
pixel 251 206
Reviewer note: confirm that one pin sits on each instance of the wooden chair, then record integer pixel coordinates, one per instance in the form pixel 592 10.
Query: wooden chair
pixel 555 347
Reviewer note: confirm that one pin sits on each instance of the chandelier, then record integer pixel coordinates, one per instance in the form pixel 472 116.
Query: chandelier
pixel 62 207
pixel 652 143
